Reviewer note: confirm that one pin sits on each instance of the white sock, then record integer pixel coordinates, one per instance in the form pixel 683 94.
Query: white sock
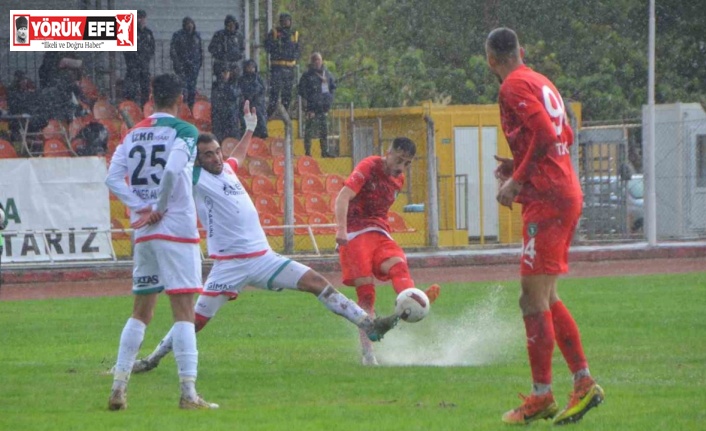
pixel 583 372
pixel 162 349
pixel 339 304
pixel 186 355
pixel 541 388
pixel 130 341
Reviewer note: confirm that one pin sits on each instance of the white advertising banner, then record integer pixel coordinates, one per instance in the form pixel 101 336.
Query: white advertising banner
pixel 57 209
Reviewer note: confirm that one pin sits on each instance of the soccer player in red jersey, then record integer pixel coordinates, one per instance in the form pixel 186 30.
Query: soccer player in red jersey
pixel 366 248
pixel 540 176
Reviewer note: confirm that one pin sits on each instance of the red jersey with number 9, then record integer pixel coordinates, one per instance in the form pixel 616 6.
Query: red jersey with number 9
pixel 375 193
pixel 537 129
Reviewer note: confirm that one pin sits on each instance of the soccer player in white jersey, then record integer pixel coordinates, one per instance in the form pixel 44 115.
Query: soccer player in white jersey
pixel 157 158
pixel 243 257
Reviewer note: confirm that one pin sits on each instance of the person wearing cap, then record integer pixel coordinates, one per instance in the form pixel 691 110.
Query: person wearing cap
pixel 227 47
pixel 21 27
pixel 137 63
pixel 282 43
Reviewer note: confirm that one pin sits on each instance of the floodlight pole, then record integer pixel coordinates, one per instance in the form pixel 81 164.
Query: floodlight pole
pixel 651 195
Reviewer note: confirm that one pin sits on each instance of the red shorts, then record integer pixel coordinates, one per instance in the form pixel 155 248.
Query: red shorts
pixel 547 230
pixel 364 254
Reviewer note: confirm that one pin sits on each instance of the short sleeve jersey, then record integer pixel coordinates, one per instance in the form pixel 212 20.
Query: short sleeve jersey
pixel 232 224
pixel 144 153
pixel 375 193
pixel 523 94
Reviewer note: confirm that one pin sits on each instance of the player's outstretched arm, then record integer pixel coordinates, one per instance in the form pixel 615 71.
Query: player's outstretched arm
pixel 241 149
pixel 341 211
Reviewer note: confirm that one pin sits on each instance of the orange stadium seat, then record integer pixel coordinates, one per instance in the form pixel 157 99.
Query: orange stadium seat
pixel 227 146
pixel 279 185
pixel 202 125
pixel 56 148
pixel 148 108
pixel 263 186
pixel 397 223
pixel 79 123
pixel 185 113
pixel 308 165
pixel 7 151
pixel 54 130
pixel 278 166
pixel 276 146
pixel 334 183
pixel 267 219
pixel 266 204
pixel 103 110
pixel 130 112
pixel 315 203
pixel 113 125
pixel 202 110
pixel 258 148
pixel 312 184
pixel 258 166
pixel 89 89
pixel 319 218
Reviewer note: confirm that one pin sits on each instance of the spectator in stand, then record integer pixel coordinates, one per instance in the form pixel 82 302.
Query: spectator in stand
pixel 186 54
pixel 225 97
pixel 282 44
pixel 252 89
pixel 137 63
pixel 23 98
pixel 227 47
pixel 316 87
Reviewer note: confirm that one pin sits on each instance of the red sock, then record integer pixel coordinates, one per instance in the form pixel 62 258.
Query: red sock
pixel 399 274
pixel 540 345
pixel 200 321
pixel 568 337
pixel 366 297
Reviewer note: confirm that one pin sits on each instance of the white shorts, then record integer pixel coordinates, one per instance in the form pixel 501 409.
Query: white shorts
pixel 166 265
pixel 269 271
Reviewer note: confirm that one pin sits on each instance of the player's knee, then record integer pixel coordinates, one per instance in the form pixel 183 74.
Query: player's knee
pixel 312 282
pixel 390 263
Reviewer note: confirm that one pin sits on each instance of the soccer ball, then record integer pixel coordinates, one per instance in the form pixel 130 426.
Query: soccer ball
pixel 412 305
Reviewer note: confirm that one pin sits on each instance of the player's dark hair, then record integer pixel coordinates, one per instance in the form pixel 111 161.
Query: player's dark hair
pixel 405 145
pixel 503 43
pixel 205 138
pixel 166 90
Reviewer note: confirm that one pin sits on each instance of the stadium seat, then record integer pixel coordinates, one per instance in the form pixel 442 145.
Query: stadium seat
pixel 123 130
pixel 56 148
pixel 300 220
pixel 185 113
pixel 202 110
pixel 89 89
pixel 315 203
pixel 279 185
pixel 267 219
pixel 103 110
pixel 278 166
pixel 148 109
pixel 276 146
pixel 113 125
pixel 397 223
pixel 320 218
pixel 308 165
pixel 266 204
pixel 202 125
pixel 262 185
pixel 79 123
pixel 258 148
pixel 54 130
pixel 130 112
pixel 334 183
pixel 227 146
pixel 7 151
pixel 116 225
pixel 312 184
pixel 258 166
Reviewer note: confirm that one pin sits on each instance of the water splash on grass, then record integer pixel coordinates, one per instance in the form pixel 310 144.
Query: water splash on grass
pixel 480 335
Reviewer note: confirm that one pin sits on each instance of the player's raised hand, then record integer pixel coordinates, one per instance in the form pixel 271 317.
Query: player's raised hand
pixel 504 170
pixel 148 216
pixel 250 116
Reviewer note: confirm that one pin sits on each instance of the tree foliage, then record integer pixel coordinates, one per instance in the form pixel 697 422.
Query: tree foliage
pixel 402 52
